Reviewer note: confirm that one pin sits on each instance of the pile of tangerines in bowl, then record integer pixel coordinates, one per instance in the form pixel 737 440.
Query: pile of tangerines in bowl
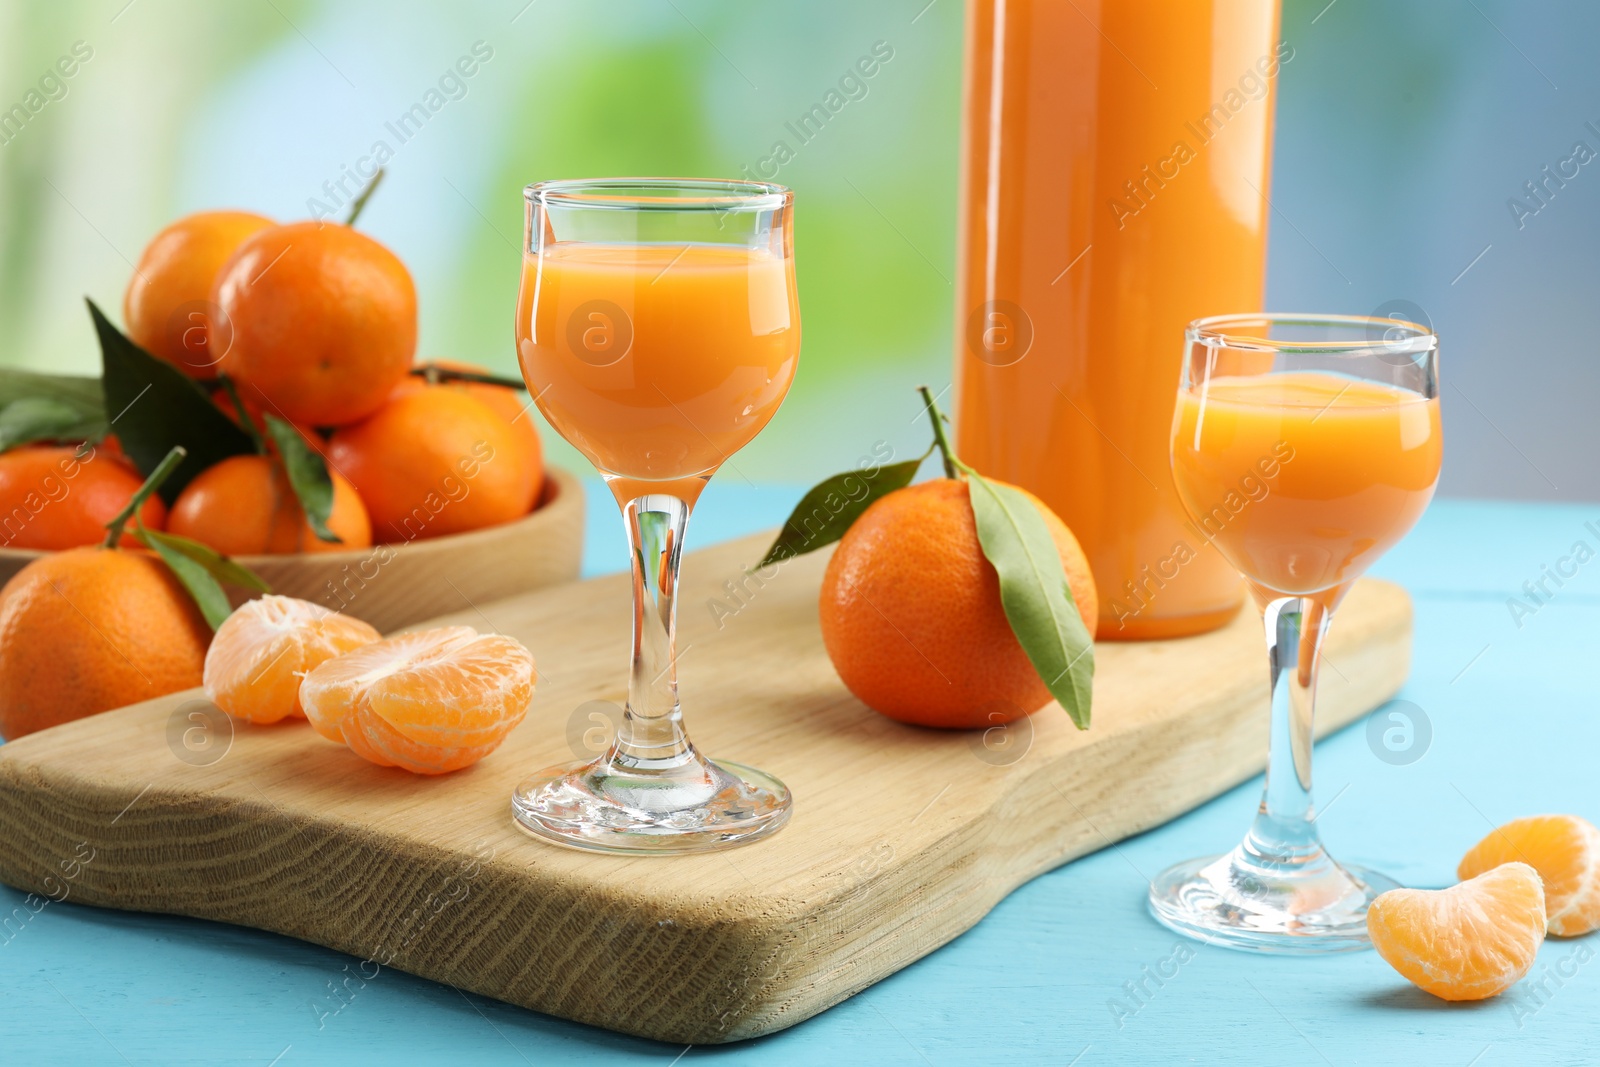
pixel 261 424
pixel 313 324
pixel 316 324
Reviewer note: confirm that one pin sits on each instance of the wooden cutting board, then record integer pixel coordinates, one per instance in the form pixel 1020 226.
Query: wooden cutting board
pixel 901 839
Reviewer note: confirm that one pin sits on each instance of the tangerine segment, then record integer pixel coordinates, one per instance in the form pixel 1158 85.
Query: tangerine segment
pixel 1565 850
pixel 429 702
pixel 1468 942
pixel 261 651
pixel 376 740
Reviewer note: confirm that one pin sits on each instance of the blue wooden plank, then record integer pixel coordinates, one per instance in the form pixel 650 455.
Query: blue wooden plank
pixel 1061 968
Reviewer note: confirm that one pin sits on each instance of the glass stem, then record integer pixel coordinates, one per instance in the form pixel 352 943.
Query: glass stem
pixel 1284 831
pixel 651 737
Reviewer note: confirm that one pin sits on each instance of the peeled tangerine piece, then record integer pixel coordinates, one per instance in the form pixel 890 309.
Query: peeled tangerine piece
pixel 1469 942
pixel 429 702
pixel 1565 850
pixel 260 652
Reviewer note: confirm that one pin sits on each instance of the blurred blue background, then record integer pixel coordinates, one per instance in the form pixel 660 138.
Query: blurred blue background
pixel 1403 130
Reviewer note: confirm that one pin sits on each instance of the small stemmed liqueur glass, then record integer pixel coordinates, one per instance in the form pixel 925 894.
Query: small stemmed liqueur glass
pixel 1303 447
pixel 658 331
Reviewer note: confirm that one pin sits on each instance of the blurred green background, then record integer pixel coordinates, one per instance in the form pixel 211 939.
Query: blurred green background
pixel 1403 128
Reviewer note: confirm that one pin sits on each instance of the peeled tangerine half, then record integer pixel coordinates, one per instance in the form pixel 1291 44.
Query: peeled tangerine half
pixel 1565 850
pixel 260 652
pixel 429 702
pixel 1468 942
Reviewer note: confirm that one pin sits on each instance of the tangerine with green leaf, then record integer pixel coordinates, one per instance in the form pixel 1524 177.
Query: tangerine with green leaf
pixel 245 506
pixel 912 617
pixel 961 602
pixel 89 629
pixel 324 322
pixel 167 308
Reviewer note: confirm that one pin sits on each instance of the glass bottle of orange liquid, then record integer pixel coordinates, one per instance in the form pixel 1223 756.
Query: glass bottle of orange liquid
pixel 1114 187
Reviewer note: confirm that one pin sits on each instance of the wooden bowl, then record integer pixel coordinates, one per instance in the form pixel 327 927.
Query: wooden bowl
pixel 393 586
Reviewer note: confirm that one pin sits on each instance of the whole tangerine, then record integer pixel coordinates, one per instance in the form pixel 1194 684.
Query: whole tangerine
pixel 91 629
pixel 324 321
pixel 245 506
pixel 433 462
pixel 54 498
pixel 167 308
pixel 911 613
pixel 506 402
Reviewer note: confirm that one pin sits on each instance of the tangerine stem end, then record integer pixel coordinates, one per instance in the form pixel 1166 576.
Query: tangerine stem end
pixel 163 471
pixel 953 466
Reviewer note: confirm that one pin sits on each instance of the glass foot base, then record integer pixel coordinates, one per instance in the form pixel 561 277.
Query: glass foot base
pixel 697 807
pixel 1233 902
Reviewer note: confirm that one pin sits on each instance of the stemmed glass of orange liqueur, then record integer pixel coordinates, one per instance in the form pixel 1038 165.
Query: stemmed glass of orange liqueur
pixel 658 331
pixel 1303 447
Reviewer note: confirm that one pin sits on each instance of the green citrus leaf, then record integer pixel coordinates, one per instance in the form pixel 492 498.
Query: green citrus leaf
pixel 830 506
pixel 207 594
pixel 220 567
pixel 37 418
pixel 153 406
pixel 245 422
pixel 308 476
pixel 1035 594
pixel 48 407
pixel 80 392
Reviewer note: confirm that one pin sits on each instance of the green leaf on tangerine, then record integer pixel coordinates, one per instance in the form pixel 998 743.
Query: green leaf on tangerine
pixel 39 418
pixel 1035 593
pixel 829 507
pixel 207 593
pixel 220 567
pixel 49 407
pixel 308 475
pixel 76 391
pixel 154 406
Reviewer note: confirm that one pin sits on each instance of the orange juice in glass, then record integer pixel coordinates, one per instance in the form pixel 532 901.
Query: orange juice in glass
pixel 1334 471
pixel 658 360
pixel 1303 448
pixel 658 331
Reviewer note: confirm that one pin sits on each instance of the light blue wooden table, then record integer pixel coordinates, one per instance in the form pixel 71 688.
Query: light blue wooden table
pixel 1045 978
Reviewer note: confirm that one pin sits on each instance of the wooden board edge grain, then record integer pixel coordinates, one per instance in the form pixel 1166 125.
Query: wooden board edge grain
pixel 416 890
